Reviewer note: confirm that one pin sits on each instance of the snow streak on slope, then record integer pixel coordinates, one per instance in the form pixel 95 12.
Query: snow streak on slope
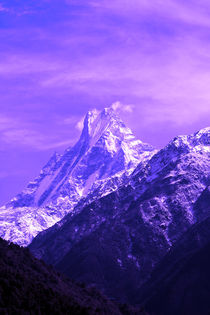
pixel 106 149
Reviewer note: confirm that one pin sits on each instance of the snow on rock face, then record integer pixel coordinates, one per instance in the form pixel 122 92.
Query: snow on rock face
pixel 106 148
pixel 132 227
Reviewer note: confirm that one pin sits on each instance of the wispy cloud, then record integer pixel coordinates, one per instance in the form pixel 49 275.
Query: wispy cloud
pixel 59 59
pixel 120 107
pixel 188 12
pixel 17 64
pixel 80 124
pixel 7 123
pixel 74 121
pixel 3 8
pixel 152 56
pixel 177 76
pixel 18 133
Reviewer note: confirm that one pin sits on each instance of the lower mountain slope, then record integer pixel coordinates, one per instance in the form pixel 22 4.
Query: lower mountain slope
pixel 115 241
pixel 29 286
pixel 180 283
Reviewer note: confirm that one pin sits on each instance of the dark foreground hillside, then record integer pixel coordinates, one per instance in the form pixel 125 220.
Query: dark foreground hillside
pixel 29 286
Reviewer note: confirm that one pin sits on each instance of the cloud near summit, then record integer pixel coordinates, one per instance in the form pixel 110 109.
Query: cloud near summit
pixel 63 57
pixel 120 107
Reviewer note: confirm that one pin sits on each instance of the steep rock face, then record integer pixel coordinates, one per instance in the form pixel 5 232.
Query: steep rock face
pixel 106 152
pixel 122 235
pixel 180 282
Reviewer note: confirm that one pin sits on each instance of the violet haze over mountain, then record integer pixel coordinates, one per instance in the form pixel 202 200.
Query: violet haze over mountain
pixel 59 59
pixel 105 155
pixel 108 209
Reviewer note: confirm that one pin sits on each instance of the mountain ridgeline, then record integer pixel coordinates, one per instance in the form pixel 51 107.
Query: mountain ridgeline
pixel 106 150
pixel 111 209
pixel 116 240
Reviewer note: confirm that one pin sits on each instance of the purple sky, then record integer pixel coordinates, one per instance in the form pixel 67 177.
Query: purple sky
pixel 60 58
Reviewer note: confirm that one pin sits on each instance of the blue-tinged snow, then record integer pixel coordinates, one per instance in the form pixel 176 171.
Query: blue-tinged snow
pixel 106 153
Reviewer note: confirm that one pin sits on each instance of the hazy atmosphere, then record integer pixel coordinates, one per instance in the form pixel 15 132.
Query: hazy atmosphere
pixel 58 59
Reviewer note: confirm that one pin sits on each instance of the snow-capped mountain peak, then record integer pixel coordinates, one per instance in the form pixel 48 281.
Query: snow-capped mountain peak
pixel 98 124
pixel 197 141
pixel 136 224
pixel 106 130
pixel 105 148
pixel 202 137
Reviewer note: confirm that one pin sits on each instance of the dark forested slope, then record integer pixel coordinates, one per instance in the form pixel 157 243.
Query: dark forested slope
pixel 29 286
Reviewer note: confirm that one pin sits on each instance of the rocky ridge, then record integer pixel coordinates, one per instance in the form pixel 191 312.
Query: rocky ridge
pixel 106 153
pixel 121 236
